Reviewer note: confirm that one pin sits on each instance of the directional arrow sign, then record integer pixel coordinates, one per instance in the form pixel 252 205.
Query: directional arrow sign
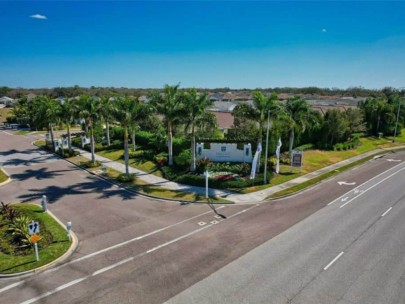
pixel 33 228
pixel 346 183
pixel 393 160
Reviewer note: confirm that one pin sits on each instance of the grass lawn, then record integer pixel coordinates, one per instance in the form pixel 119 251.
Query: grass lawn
pixel 156 191
pixel 3 114
pixel 60 244
pixel 316 159
pixel 143 165
pixel 3 176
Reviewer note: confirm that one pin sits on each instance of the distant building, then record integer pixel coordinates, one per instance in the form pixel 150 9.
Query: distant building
pixel 7 101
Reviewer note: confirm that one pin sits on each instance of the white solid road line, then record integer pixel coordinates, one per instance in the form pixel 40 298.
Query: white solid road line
pixel 333 261
pixel 347 193
pixel 111 248
pixel 74 282
pixel 371 187
pixel 11 286
pixel 389 209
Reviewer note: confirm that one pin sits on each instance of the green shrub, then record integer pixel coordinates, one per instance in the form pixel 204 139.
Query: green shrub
pixel 305 147
pixel 19 231
pixel 183 159
pixel 136 154
pixel 90 164
pixel 170 173
pixel 202 164
pixel 126 178
pixel 191 179
pixel 161 159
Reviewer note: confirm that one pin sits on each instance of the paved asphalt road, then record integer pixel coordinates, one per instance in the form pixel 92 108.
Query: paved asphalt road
pixel 137 250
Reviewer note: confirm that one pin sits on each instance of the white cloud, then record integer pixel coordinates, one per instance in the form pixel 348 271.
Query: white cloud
pixel 323 30
pixel 38 16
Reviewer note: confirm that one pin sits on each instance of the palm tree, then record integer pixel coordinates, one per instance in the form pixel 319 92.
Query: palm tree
pixel 262 105
pixel 90 112
pixel 297 114
pixel 170 105
pixel 126 109
pixel 195 114
pixel 48 110
pixel 258 112
pixel 69 112
pixel 108 110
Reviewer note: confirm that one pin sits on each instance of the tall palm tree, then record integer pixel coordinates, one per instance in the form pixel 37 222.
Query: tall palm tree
pixel 258 112
pixel 126 109
pixel 90 112
pixel 108 110
pixel 68 113
pixel 298 117
pixel 170 105
pixel 48 110
pixel 195 106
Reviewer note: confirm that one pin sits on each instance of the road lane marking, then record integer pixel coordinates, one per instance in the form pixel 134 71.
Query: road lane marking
pixel 11 286
pixel 333 261
pixel 97 272
pixel 389 209
pixel 356 190
pixel 376 184
pixel 44 295
pixel 112 247
pixel 201 223
pixel 112 266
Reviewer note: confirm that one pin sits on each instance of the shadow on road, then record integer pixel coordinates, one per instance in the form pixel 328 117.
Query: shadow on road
pixel 94 185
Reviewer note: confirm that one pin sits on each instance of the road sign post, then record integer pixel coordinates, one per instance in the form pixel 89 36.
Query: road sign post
pixel 36 251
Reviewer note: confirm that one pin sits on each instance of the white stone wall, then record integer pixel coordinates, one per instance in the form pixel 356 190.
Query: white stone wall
pixel 225 152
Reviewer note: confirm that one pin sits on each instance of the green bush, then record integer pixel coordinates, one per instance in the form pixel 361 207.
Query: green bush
pixel 305 147
pixel 126 178
pixel 202 164
pixel 90 164
pixel 160 159
pixel 170 173
pixel 136 154
pixel 183 159
pixel 191 179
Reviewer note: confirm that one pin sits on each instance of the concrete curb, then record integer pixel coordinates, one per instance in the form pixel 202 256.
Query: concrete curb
pixel 8 180
pixel 59 260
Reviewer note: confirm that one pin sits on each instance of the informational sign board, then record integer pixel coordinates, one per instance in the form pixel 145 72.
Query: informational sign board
pixel 296 161
pixel 33 228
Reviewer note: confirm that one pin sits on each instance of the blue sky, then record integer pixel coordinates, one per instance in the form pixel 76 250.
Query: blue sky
pixel 206 44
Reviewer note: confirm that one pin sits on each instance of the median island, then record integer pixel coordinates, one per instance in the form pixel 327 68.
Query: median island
pixel 17 252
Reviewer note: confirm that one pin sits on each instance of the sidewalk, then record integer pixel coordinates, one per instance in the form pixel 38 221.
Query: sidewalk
pixel 253 197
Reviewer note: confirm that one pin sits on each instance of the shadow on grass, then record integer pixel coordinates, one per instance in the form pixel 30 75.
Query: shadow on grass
pixel 15 266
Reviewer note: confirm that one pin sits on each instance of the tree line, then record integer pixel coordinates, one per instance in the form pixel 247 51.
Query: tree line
pixel 174 113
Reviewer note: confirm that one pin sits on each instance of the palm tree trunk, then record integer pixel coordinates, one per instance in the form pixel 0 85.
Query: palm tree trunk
pixel 53 142
pixel 93 158
pixel 170 145
pixel 133 140
pixel 126 156
pixel 193 166
pixel 291 141
pixel 69 139
pixel 108 133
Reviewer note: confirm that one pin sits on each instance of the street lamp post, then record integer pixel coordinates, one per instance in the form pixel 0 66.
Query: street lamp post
pixel 267 148
pixel 396 123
